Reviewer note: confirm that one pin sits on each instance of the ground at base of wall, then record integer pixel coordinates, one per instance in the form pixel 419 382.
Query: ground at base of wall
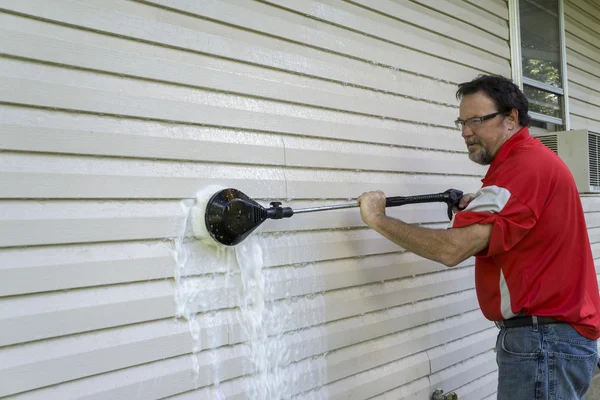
pixel 594 392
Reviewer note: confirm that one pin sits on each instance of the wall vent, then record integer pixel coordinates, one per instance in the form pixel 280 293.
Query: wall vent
pixel 551 141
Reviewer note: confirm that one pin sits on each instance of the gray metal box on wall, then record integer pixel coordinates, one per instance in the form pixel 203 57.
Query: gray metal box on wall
pixel 579 149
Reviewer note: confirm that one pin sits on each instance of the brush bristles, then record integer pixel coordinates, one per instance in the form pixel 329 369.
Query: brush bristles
pixel 198 215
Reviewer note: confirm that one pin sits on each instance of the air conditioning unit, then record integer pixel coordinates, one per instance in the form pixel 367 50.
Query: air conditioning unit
pixel 580 151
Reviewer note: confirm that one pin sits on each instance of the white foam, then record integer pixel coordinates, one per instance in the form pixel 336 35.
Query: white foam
pixel 211 277
pixel 198 213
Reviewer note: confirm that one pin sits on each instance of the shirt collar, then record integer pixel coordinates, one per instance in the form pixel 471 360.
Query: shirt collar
pixel 506 148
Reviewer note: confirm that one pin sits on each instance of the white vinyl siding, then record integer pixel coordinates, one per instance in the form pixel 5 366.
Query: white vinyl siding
pixel 582 26
pixel 582 40
pixel 114 113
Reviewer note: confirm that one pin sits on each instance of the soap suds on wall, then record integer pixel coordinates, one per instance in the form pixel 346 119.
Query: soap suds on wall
pixel 228 287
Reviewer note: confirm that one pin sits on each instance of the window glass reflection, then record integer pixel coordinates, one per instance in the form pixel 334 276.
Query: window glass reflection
pixel 543 102
pixel 540 40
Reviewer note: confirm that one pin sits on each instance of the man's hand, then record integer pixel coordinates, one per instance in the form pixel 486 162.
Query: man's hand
pixel 372 206
pixel 464 202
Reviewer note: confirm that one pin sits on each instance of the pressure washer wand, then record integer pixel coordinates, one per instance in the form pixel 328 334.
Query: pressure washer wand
pixel 326 208
pixel 451 197
pixel 230 215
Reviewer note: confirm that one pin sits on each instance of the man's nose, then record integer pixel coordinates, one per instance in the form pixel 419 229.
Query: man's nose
pixel 466 131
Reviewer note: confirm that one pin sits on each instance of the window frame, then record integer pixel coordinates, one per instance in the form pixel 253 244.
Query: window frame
pixel 517 69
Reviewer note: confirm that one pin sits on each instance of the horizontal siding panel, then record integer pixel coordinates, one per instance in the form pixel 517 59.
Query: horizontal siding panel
pixel 26 223
pixel 279 23
pixel 152 380
pixel 95 352
pixel 58 360
pixel 582 47
pixel 50 43
pixel 61 176
pixel 580 31
pixel 234 389
pixel 361 357
pixel 583 63
pixel 465 372
pixel 585 18
pixel 596 250
pixel 583 94
pixel 361 328
pixel 424 283
pixel 307 152
pixel 374 381
pixel 406 35
pixel 157 380
pixel 387 377
pixel 594 2
pixel 473 16
pixel 40 316
pixel 592 220
pixel 50 268
pixel 97 93
pixel 594 235
pixel 53 176
pixel 442 24
pixel 327 275
pixel 590 8
pixel 332 38
pixel 28 129
pixel 418 389
pixel 590 202
pixel 589 111
pixel 584 79
pixel 578 122
pixel 140 22
pixel 487 385
pixel 495 7
pixel 444 356
pixel 318 183
pixel 284 249
pixel 288 249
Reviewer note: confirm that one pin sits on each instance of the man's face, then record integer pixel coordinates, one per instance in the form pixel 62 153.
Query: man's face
pixel 482 141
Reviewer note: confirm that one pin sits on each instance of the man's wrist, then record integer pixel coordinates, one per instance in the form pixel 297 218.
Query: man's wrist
pixel 377 221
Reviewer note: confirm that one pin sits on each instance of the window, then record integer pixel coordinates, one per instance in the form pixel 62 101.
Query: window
pixel 538 26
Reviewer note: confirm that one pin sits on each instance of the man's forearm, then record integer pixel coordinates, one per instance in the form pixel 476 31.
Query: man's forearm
pixel 447 246
pixel 434 244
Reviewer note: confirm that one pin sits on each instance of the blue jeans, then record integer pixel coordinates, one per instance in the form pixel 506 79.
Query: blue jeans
pixel 548 362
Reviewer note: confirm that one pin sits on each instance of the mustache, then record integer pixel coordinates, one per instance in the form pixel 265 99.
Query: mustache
pixel 472 141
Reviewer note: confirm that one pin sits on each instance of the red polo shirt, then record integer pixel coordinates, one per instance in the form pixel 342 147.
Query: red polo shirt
pixel 539 261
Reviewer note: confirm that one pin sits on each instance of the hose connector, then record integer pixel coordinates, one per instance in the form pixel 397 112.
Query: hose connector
pixel 278 212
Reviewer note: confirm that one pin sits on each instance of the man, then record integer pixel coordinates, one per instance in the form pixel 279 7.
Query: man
pixel 534 271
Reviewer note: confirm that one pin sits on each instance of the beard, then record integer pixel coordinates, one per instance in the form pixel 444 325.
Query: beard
pixel 481 155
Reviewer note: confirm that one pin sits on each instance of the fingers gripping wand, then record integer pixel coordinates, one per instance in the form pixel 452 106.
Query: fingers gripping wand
pixel 230 215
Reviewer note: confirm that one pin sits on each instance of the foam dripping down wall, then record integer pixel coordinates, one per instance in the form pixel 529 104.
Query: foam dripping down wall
pixel 248 335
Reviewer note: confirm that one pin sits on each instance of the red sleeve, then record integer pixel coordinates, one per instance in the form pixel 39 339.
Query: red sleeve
pixel 510 218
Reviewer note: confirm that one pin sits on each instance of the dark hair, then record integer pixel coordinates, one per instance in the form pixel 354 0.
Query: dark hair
pixel 502 91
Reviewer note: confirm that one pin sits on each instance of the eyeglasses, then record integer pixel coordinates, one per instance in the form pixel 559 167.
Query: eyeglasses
pixel 474 122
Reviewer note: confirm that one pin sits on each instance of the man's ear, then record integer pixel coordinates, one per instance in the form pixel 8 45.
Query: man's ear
pixel 513 117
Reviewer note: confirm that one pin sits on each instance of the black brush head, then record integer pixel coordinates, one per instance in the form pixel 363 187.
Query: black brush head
pixel 231 216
